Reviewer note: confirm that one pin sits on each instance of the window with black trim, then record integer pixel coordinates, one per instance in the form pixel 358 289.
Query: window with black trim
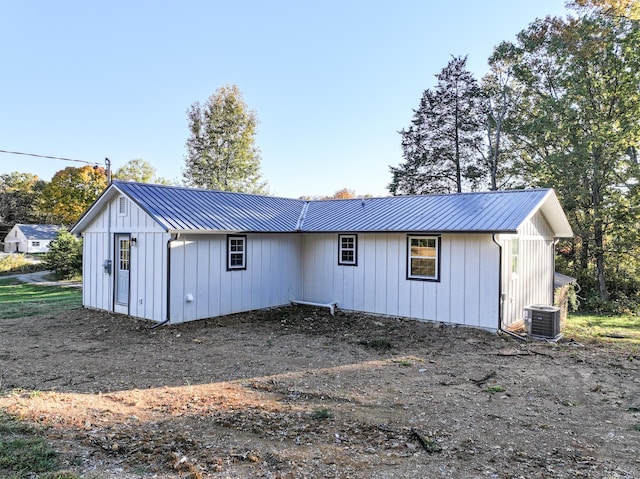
pixel 348 250
pixel 423 258
pixel 236 252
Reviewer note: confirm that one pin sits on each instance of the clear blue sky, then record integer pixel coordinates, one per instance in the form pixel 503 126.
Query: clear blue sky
pixel 332 81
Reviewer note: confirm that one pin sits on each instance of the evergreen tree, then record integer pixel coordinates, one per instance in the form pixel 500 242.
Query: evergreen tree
pixel 440 147
pixel 65 255
pixel 221 150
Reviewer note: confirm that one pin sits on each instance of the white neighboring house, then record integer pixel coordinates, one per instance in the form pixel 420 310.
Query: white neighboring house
pixel 30 238
pixel 173 254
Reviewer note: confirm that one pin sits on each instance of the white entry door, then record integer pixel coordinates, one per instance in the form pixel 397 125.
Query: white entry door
pixel 121 277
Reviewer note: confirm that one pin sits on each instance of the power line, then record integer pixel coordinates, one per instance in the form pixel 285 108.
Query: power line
pixel 46 156
pixel 94 163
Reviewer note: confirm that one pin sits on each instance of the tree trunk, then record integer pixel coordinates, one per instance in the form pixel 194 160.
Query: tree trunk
pixel 598 227
pixel 599 254
pixel 457 140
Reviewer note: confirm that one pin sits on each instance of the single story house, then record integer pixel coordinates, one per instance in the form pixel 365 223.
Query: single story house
pixel 30 238
pixel 174 254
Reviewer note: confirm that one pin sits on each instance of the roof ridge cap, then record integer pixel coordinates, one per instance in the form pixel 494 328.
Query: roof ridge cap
pixel 303 215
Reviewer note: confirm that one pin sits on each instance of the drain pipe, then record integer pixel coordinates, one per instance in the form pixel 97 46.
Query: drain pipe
pixel 500 298
pixel 162 323
pixel 331 306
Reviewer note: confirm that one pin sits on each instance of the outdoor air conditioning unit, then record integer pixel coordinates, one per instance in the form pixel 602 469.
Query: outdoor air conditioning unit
pixel 542 321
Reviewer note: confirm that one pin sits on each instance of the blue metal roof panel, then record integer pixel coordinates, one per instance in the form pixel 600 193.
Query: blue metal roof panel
pixel 501 211
pixel 40 232
pixel 188 209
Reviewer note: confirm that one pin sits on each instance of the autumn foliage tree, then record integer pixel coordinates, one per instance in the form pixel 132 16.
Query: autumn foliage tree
pixel 71 191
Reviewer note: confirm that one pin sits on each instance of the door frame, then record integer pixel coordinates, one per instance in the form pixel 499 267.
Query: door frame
pixel 120 307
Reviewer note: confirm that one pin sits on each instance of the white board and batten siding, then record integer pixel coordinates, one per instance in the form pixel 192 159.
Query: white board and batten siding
pixel 202 287
pixel 467 292
pixel 147 286
pixel 528 279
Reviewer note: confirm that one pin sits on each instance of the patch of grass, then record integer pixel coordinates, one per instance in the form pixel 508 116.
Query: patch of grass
pixel 24 454
pixel 19 300
pixel 592 327
pixel 403 362
pixel 494 389
pixel 321 413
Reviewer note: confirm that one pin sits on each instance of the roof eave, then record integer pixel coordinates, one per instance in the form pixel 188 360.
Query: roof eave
pixel 552 210
pixel 92 211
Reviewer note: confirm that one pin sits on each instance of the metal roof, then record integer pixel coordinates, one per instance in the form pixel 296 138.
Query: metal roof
pixel 501 211
pixel 189 209
pixel 196 210
pixel 40 232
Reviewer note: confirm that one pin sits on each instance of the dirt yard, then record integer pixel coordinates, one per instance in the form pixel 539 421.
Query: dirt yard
pixel 295 393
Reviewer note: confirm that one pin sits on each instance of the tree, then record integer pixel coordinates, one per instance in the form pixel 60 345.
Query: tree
pixel 344 194
pixel 578 126
pixel 497 160
pixel 440 146
pixel 19 197
pixel 65 255
pixel 71 191
pixel 140 171
pixel 623 8
pixel 221 150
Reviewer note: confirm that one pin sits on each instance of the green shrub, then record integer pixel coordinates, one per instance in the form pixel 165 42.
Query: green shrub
pixel 65 255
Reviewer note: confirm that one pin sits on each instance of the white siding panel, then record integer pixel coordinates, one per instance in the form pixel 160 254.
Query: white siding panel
pixel 467 292
pixel 533 282
pixel 416 289
pixel 148 262
pixel 359 276
pixel 380 274
pixel 490 279
pixel 395 276
pixel 177 282
pixel 217 266
pixel 472 283
pixel 272 276
pixel 443 301
pixel 369 268
pixel 457 283
pixel 202 296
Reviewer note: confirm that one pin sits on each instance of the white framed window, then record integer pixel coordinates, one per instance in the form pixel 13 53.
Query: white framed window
pixel 423 258
pixel 122 206
pixel 35 243
pixel 348 250
pixel 236 252
pixel 515 256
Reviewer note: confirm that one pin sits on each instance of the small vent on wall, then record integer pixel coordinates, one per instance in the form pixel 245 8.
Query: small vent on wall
pixel 122 206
